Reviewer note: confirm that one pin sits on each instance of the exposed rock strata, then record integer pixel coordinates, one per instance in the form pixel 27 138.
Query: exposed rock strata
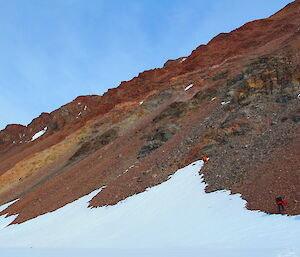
pixel 243 112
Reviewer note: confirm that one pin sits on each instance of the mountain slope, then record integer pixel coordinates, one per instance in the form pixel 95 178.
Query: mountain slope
pixel 234 99
pixel 176 214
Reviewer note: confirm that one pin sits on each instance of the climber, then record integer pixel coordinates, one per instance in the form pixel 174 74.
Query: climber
pixel 205 159
pixel 280 204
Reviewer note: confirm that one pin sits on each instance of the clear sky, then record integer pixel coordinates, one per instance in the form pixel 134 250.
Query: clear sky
pixel 54 50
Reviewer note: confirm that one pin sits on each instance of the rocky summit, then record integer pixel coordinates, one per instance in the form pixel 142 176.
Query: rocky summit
pixel 235 100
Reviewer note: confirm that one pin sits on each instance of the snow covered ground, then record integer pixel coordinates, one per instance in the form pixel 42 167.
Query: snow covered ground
pixel 175 218
pixel 188 87
pixel 39 134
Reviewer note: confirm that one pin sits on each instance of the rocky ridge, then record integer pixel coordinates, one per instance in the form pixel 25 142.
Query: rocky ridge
pixel 234 99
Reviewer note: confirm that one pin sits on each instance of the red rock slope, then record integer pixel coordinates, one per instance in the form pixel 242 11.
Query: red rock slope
pixel 241 110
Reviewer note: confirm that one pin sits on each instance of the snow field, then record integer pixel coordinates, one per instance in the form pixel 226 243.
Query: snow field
pixel 173 218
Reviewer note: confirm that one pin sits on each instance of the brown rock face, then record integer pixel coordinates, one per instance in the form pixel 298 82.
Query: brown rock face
pixel 241 109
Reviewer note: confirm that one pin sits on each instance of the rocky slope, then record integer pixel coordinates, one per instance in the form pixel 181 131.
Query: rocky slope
pixel 234 99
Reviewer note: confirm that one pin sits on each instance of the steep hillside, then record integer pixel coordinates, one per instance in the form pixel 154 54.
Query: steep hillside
pixel 234 99
pixel 165 221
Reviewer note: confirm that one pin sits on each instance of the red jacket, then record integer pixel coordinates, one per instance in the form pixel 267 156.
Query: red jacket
pixel 282 202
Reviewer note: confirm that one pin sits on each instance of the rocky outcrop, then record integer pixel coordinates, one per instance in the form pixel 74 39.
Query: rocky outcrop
pixel 234 99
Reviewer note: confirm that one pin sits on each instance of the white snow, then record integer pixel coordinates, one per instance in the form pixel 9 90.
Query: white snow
pixel 141 102
pixel 78 115
pixel 85 107
pixel 39 134
pixel 4 206
pixel 224 103
pixel 126 170
pixel 4 222
pixel 188 87
pixel 183 59
pixel 175 218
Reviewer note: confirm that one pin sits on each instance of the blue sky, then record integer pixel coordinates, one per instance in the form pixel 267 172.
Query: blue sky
pixel 54 50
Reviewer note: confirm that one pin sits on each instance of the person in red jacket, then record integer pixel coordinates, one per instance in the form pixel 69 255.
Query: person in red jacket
pixel 204 159
pixel 280 204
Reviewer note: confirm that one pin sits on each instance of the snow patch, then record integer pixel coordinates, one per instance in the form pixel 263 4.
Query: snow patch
pixel 182 59
pixel 85 107
pixel 39 134
pixel 224 103
pixel 188 87
pixel 214 98
pixel 4 206
pixel 78 115
pixel 126 170
pixel 4 220
pixel 141 102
